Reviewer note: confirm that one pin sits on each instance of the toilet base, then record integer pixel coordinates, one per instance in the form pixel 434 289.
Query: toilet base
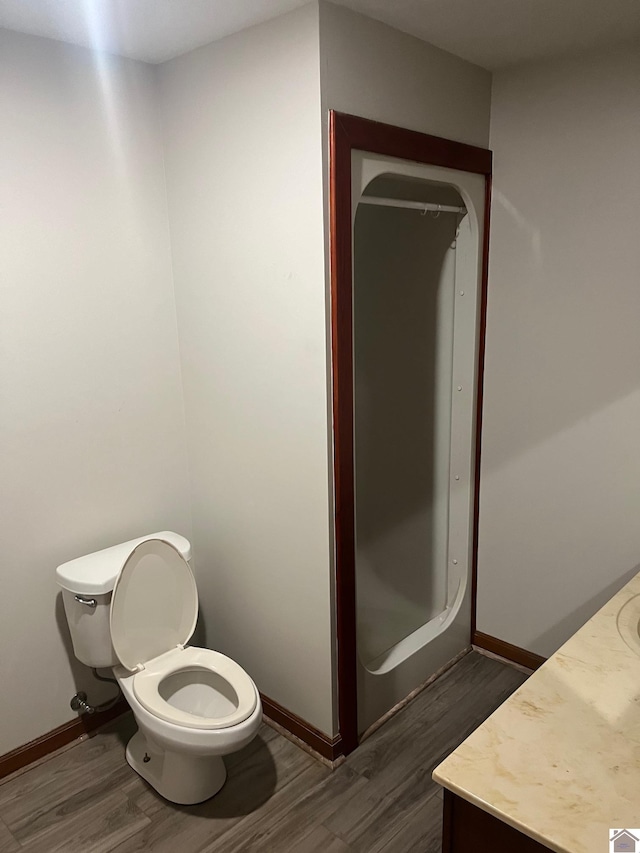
pixel 178 777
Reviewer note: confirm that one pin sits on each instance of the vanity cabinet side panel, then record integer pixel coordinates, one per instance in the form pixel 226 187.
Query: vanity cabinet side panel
pixel 465 827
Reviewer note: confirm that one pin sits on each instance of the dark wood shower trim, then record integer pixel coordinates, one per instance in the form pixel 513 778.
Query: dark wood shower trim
pixel 484 289
pixel 347 133
pixel 342 362
pixel 362 134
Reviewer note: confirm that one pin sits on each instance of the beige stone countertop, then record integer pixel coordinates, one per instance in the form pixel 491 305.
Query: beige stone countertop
pixel 560 759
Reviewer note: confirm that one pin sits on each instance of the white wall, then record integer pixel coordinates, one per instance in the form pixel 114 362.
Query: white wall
pixel 377 72
pixel 560 494
pixel 92 447
pixel 244 172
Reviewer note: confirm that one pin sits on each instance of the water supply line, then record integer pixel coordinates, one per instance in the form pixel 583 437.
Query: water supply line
pixel 79 701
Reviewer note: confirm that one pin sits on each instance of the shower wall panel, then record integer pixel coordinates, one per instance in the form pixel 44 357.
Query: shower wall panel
pixel 403 354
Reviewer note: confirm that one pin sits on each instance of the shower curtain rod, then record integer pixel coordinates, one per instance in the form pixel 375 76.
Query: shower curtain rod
pixel 413 205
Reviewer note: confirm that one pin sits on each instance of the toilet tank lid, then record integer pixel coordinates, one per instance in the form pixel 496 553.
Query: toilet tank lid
pixel 96 574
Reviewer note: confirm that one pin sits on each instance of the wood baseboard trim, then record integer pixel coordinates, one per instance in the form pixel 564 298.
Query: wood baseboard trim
pixel 507 650
pixel 328 748
pixel 54 740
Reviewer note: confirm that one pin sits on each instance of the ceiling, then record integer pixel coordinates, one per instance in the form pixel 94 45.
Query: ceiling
pixel 491 33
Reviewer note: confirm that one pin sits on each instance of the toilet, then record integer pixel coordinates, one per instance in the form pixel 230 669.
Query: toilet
pixel 133 607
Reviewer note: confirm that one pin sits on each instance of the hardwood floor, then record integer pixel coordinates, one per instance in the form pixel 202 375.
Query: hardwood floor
pixel 277 798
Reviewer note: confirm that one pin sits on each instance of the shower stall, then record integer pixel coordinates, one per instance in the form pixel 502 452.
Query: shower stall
pixel 417 260
pixel 415 288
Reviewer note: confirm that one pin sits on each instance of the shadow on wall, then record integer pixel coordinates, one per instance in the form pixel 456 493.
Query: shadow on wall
pixel 561 345
pixel 557 635
pixel 199 637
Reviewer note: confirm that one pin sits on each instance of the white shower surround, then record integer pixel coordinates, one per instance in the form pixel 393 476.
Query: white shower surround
pixel 391 675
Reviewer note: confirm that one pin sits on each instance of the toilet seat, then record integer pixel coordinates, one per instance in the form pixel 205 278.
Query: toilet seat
pixel 153 612
pixel 147 682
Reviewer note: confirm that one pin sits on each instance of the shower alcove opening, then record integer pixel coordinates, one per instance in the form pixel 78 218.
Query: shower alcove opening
pixel 408 274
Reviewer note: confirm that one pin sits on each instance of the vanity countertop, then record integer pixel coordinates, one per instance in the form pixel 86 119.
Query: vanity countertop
pixel 560 759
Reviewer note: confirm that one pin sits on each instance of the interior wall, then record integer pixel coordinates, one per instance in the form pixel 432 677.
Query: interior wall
pixel 92 444
pixel 374 71
pixel 403 354
pixel 560 484
pixel 244 175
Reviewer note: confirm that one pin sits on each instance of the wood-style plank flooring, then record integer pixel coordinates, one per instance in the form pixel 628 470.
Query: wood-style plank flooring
pixel 277 798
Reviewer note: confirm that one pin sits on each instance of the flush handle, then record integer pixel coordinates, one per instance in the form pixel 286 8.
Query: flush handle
pixel 90 602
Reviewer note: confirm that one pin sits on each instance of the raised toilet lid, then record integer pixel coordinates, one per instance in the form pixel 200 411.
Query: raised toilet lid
pixel 154 607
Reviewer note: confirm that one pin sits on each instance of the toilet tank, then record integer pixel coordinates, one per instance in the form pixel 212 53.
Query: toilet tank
pixel 87 584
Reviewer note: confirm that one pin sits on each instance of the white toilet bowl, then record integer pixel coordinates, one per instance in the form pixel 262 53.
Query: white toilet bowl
pixel 192 705
pixel 183 762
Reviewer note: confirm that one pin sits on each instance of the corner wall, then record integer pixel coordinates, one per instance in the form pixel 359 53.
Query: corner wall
pixel 374 71
pixel 92 443
pixel 560 488
pixel 244 174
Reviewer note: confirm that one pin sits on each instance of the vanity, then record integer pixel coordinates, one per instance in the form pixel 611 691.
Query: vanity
pixel 557 766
